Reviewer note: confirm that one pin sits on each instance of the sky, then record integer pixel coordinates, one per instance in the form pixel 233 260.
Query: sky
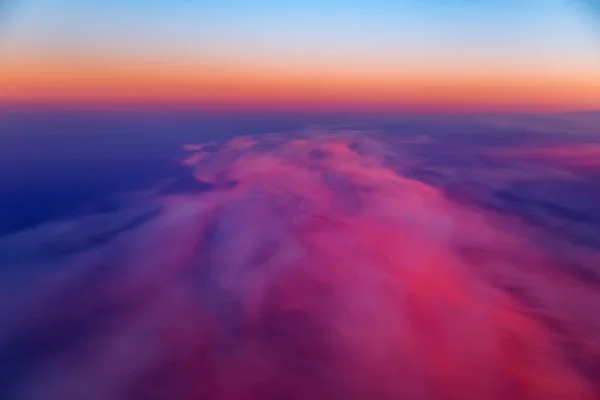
pixel 324 53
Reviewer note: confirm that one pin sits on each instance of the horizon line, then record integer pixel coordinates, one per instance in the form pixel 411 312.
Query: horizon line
pixel 324 105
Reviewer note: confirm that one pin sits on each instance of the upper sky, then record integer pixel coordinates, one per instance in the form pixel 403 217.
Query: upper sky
pixel 522 52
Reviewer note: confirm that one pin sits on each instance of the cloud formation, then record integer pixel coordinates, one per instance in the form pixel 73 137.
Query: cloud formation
pixel 310 270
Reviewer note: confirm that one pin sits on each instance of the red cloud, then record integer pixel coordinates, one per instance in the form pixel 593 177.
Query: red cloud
pixel 314 271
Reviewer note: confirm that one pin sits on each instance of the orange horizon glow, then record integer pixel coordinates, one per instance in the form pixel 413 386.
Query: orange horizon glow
pixel 279 87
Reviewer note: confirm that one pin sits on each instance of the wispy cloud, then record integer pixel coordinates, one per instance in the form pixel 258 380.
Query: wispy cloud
pixel 311 270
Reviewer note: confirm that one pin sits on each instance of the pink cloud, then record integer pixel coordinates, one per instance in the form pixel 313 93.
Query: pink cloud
pixel 321 273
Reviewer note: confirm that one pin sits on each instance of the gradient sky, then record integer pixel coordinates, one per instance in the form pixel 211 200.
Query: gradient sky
pixel 538 53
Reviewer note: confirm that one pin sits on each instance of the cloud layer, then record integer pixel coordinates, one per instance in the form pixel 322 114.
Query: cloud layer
pixel 310 270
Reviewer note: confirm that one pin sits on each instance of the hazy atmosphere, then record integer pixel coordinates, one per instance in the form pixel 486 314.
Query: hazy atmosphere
pixel 272 200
